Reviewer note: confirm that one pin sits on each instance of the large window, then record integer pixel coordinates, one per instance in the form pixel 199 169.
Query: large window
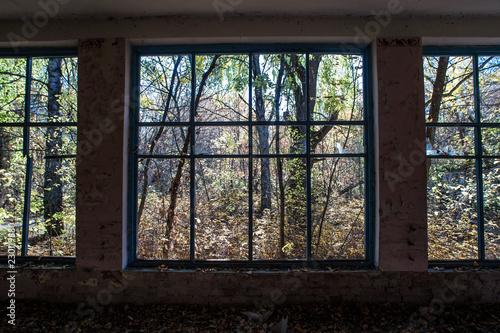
pixel 462 89
pixel 38 111
pixel 244 155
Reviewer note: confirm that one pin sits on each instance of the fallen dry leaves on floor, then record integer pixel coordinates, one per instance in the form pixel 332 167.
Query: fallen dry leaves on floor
pixel 37 317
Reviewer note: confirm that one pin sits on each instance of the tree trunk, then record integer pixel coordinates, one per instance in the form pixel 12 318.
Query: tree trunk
pixel 53 185
pixel 156 138
pixel 4 149
pixel 263 146
pixel 296 196
pixel 174 192
pixel 438 93
pixel 5 157
pixel 170 231
pixel 437 97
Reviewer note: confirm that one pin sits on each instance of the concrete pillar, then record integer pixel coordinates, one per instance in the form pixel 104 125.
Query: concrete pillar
pixel 402 221
pixel 101 172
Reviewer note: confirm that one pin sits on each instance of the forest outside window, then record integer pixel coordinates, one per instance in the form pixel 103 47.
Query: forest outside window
pixel 230 162
pixel 38 118
pixel 462 88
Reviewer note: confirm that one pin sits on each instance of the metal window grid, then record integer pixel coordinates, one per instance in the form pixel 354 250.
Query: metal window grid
pixel 28 54
pixel 477 125
pixel 249 49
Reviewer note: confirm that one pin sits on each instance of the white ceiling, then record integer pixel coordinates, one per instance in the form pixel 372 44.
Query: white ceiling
pixel 16 9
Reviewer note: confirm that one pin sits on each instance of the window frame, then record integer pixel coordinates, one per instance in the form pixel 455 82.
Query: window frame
pixel 249 49
pixel 26 125
pixel 475 52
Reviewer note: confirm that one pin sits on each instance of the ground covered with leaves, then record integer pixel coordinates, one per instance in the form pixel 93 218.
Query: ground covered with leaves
pixel 49 317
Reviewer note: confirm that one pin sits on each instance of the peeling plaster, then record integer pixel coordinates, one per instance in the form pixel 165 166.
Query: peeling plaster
pixel 400 127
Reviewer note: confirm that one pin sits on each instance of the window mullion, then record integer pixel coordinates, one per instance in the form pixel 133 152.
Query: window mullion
pixel 27 201
pixel 27 103
pixel 29 160
pixel 192 181
pixel 479 160
pixel 134 159
pixel 250 160
pixel 308 163
pixel 368 161
pixel 301 254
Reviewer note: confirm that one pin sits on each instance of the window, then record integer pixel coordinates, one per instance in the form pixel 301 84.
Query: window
pixel 462 91
pixel 248 155
pixel 38 114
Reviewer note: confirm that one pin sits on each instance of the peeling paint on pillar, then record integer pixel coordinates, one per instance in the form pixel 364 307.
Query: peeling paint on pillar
pixel 401 127
pixel 101 88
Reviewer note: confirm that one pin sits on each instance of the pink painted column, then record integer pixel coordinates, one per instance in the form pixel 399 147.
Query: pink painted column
pixel 100 218
pixel 402 208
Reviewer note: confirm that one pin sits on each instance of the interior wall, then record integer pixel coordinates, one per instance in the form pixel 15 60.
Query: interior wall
pixel 401 258
pixel 213 29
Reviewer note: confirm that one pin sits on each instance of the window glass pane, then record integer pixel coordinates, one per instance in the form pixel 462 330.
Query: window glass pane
pixel 53 140
pixel 491 141
pixel 278 85
pixel 222 208
pixel 163 140
pixel 292 140
pixel 52 209
pixel 451 141
pixel 165 89
pixel 264 139
pixel 268 83
pixel 53 197
pixel 491 185
pixel 338 208
pixel 12 89
pixel 163 214
pixel 54 90
pixel 489 86
pixel 337 93
pixel 452 209
pixel 51 206
pixel 280 201
pixel 453 86
pixel 225 91
pixel 12 184
pixel 337 140
pixel 221 140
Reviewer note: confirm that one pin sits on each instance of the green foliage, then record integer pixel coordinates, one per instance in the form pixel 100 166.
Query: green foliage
pixel 221 198
pixel 452 210
pixel 340 79
pixel 12 85
pixel 13 174
pixel 452 196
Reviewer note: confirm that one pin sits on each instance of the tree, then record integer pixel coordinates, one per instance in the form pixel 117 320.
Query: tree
pixel 281 88
pixel 176 182
pixel 158 134
pixel 53 184
pixel 263 131
pixel 291 93
pixel 4 149
pixel 52 88
pixel 453 195
pixel 437 97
